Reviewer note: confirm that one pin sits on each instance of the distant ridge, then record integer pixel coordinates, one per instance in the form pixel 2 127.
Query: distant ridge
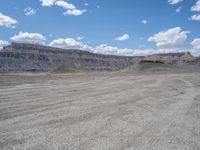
pixel 22 57
pixel 170 58
pixel 44 48
pixel 32 57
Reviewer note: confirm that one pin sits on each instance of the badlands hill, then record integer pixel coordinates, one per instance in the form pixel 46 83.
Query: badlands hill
pixel 20 57
pixel 31 57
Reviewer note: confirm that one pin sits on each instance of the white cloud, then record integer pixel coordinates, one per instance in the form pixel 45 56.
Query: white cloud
pixel 105 49
pixel 74 12
pixel 102 49
pixel 48 2
pixel 86 4
pixel 123 37
pixel 29 11
pixel 196 7
pixel 65 5
pixel 196 44
pixel 111 50
pixel 28 37
pixel 170 38
pixel 3 43
pixel 178 9
pixel 66 43
pixel 71 43
pixel 71 9
pixel 144 21
pixel 195 17
pixel 7 21
pixel 173 2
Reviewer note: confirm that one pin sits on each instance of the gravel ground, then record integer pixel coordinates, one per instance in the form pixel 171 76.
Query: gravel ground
pixel 100 111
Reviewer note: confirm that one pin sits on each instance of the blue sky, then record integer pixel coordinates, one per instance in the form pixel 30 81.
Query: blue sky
pixel 121 27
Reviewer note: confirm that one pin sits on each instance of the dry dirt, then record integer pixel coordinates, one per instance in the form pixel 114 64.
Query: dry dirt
pixel 100 111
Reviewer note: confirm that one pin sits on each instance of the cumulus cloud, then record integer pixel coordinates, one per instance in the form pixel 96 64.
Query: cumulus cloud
pixel 112 50
pixel 65 43
pixel 144 21
pixel 123 37
pixel 102 49
pixel 196 44
pixel 70 43
pixel 7 21
pixel 29 11
pixel 71 9
pixel 74 12
pixel 28 37
pixel 3 43
pixel 105 49
pixel 173 2
pixel 65 5
pixel 170 38
pixel 195 17
pixel 48 2
pixel 196 7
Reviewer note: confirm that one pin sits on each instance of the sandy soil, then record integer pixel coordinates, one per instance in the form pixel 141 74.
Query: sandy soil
pixel 100 111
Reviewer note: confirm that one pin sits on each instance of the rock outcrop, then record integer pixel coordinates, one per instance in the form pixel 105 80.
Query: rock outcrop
pixel 31 57
pixel 168 62
pixel 170 58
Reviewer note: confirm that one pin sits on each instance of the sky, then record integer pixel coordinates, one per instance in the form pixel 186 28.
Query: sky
pixel 119 27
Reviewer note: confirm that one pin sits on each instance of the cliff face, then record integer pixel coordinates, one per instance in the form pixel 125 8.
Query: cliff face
pixel 30 57
pixel 170 58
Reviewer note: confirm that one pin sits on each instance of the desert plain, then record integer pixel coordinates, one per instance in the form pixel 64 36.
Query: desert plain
pixel 123 110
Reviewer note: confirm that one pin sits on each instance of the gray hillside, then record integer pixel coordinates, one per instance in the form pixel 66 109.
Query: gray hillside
pixel 31 57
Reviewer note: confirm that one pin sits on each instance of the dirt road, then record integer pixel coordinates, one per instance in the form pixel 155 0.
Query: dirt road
pixel 100 111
